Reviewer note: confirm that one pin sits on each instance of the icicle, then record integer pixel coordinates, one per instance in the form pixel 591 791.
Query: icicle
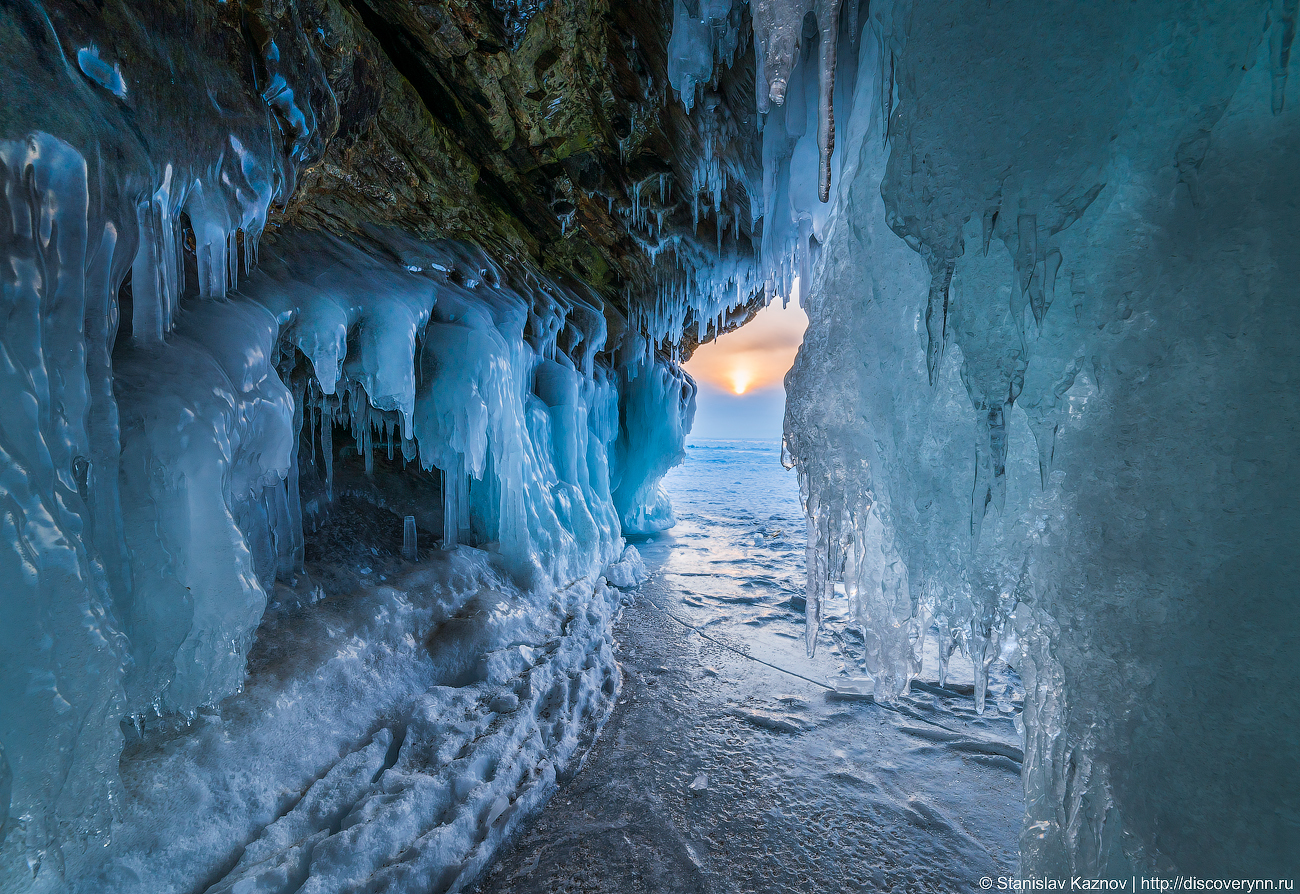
pixel 327 448
pixel 1052 266
pixel 936 315
pixel 409 550
pixel 451 508
pixel 947 646
pixel 1027 252
pixel 828 19
pixel 990 224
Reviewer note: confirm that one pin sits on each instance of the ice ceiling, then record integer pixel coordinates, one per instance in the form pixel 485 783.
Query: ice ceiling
pixel 255 258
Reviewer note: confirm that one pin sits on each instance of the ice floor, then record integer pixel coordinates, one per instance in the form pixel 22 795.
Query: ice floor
pixel 398 721
pixel 720 773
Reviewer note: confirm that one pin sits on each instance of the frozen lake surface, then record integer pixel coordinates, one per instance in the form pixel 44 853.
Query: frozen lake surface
pixel 732 762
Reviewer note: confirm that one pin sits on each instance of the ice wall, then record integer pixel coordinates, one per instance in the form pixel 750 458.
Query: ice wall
pixel 63 651
pixel 1043 399
pixel 499 379
pixel 206 448
pixel 110 481
pixel 178 396
pixel 153 477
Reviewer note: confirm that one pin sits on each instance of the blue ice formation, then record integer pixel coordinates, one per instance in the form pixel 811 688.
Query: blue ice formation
pixel 164 448
pixel 185 400
pixel 1046 397
pixel 1045 389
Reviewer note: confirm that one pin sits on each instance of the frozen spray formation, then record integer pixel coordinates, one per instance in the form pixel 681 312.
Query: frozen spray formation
pixel 1043 400
pixel 259 262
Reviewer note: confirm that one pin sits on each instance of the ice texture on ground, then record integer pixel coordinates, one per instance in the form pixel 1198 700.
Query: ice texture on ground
pixel 719 773
pixel 389 739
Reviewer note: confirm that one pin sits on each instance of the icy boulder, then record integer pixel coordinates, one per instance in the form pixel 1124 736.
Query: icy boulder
pixel 628 571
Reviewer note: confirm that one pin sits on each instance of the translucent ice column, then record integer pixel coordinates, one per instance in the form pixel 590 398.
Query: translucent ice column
pixel 657 409
pixel 201 443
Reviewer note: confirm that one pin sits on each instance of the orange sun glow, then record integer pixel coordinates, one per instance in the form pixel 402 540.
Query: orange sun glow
pixel 754 357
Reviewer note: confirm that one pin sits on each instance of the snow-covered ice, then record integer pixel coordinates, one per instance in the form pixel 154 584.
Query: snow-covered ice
pixel 422 716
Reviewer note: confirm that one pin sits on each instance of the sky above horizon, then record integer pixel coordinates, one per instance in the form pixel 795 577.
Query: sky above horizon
pixel 741 376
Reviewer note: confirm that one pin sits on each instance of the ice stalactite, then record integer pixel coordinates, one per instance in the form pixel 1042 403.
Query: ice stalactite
pixel 781 35
pixel 801 81
pixel 1045 283
pixel 487 375
pixel 690 51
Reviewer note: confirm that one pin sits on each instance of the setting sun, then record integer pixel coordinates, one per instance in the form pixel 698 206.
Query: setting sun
pixel 755 357
pixel 740 379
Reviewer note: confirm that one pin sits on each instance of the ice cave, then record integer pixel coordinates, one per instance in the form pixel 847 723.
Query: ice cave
pixel 345 353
